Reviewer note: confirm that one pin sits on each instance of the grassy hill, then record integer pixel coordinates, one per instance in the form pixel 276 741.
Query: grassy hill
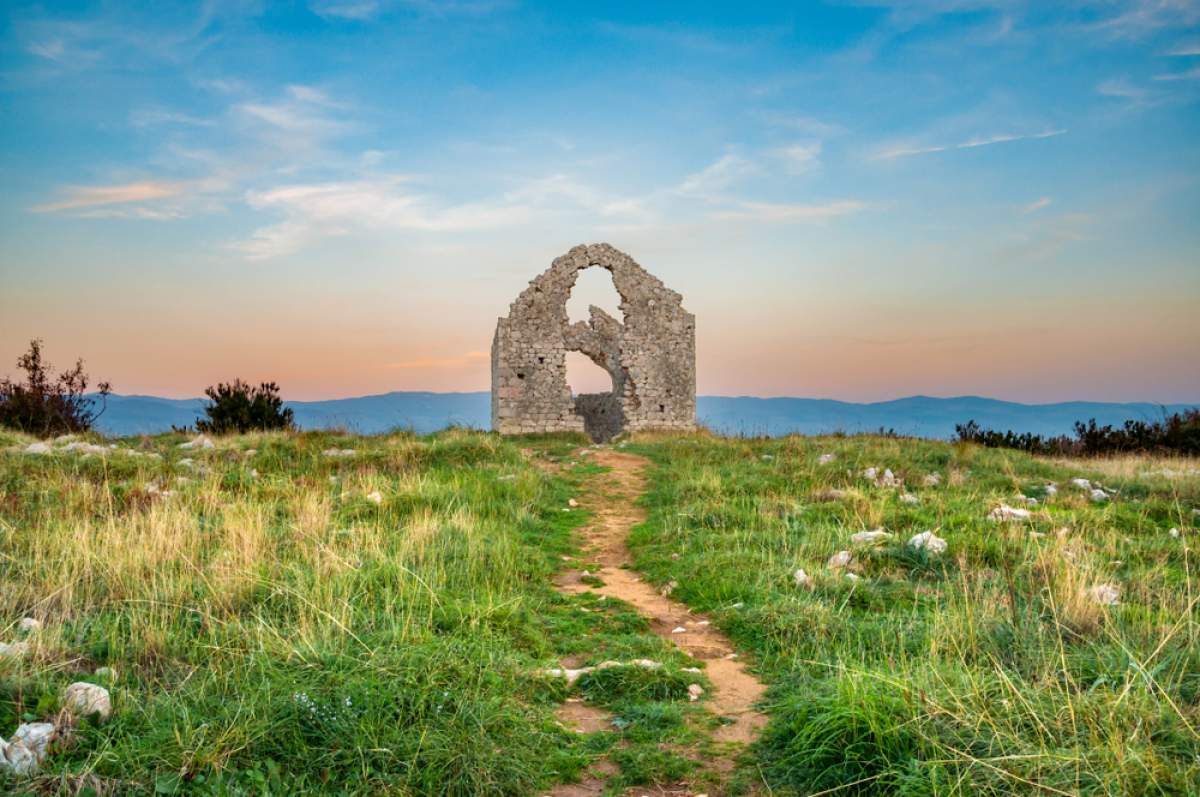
pixel 280 616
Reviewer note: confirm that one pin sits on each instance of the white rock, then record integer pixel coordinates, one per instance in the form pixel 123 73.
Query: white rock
pixel 668 588
pixel 768 457
pixel 1082 484
pixel 1098 496
pixel 338 452
pixel 37 448
pixel 825 459
pixel 1024 499
pixel 375 497
pixel 86 700
pixel 87 448
pixel 801 578
pixel 889 479
pixel 571 502
pixel 679 630
pixel 251 452
pixel 26 750
pixel 870 473
pixel 106 674
pixel 200 441
pixel 1174 534
pixel 1105 594
pixel 932 480
pixel 929 541
pixel 839 560
pixel 694 692
pixel 909 498
pixel 1052 489
pixel 254 473
pixel 870 537
pixel 186 462
pixel 852 577
pixel 1005 513
pixel 30 625
pixel 15 650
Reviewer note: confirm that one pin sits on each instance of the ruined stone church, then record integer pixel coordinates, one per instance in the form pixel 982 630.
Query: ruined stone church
pixel 650 354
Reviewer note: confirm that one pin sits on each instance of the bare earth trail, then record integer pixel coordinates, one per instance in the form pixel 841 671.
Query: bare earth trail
pixel 611 497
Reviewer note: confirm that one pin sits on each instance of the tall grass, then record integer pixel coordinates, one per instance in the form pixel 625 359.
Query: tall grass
pixel 987 670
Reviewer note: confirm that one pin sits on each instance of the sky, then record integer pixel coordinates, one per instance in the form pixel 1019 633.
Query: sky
pixel 857 200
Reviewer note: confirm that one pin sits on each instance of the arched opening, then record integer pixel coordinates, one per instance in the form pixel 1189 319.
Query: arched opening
pixel 594 286
pixel 584 376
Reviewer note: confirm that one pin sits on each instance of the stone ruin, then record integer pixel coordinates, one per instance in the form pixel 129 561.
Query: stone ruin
pixel 650 354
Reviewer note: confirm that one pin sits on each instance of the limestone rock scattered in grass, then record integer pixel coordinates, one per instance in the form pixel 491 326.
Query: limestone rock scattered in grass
pixel 1174 533
pixel 839 560
pixel 88 700
pixel 870 537
pixel 801 578
pixel 338 452
pixel 87 448
pixel 15 650
pixel 571 502
pixel 1025 499
pixel 37 448
pixel 694 692
pixel 870 474
pixel 932 480
pixel 1005 513
pixel 1098 496
pixel 1105 594
pixel 26 750
pixel 30 625
pixel 889 479
pixel 832 494
pixel 375 497
pixel 1082 484
pixel 909 498
pixel 852 576
pixel 200 441
pixel 825 459
pixel 106 674
pixel 928 541
pixel 1051 489
pixel 668 588
pixel 574 674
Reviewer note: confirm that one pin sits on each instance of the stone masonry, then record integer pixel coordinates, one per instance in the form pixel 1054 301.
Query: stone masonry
pixel 650 354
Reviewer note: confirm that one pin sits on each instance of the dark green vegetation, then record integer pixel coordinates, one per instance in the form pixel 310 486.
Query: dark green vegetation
pixel 289 622
pixel 239 407
pixel 1177 433
pixel 988 670
pixel 46 405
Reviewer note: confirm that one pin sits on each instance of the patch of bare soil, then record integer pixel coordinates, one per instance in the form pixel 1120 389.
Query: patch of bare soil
pixel 611 497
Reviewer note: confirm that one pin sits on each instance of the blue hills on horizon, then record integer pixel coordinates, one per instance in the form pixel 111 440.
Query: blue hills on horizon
pixel 423 412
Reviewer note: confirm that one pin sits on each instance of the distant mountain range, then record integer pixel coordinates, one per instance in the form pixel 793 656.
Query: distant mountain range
pixel 918 416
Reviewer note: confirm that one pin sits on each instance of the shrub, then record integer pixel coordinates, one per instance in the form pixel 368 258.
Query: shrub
pixel 1178 433
pixel 239 407
pixel 45 405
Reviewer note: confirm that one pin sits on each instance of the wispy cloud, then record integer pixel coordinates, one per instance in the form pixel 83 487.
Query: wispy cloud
pixel 719 175
pixel 345 9
pixel 1037 204
pixel 783 212
pixel 320 210
pixel 800 158
pixel 91 196
pixel 459 361
pixel 1190 74
pixel 904 151
pixel 1185 50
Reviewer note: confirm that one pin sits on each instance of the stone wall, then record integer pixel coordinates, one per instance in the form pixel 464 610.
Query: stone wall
pixel 650 354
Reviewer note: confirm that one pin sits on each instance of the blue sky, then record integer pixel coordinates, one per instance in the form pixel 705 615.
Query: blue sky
pixel 857 200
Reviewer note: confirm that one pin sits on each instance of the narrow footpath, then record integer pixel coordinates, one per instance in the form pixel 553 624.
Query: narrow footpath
pixel 611 498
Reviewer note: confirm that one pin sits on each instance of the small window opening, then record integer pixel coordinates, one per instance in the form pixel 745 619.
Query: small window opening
pixel 662 407
pixel 541 360
pixel 520 376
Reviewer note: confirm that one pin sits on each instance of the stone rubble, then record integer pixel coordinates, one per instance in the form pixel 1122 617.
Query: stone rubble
pixel 928 541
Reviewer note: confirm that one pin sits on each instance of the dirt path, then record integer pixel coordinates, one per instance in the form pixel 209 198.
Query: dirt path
pixel 611 498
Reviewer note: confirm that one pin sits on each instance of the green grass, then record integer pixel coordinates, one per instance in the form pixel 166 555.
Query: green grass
pixel 985 670
pixel 275 631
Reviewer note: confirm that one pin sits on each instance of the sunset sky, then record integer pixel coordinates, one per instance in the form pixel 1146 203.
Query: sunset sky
pixel 857 200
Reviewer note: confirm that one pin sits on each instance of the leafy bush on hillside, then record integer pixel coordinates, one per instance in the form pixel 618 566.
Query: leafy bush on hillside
pixel 44 405
pixel 239 407
pixel 1178 433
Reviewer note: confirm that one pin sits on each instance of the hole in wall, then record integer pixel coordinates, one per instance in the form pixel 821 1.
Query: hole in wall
pixel 594 286
pixel 584 376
